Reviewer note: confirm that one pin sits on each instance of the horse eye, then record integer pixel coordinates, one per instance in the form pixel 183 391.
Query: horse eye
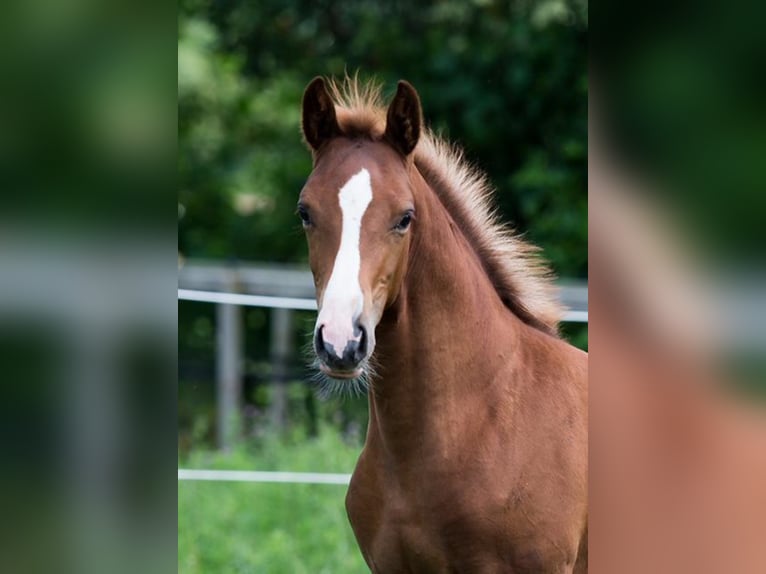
pixel 404 223
pixel 304 215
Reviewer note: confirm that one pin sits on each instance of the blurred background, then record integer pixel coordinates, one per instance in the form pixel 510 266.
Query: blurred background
pixel 507 80
pixel 677 369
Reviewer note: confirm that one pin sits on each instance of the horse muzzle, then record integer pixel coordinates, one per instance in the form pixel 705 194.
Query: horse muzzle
pixel 341 357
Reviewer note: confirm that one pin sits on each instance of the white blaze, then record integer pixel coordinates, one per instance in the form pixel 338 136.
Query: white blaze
pixel 343 299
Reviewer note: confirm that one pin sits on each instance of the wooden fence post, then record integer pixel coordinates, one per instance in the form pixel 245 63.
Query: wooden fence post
pixel 281 347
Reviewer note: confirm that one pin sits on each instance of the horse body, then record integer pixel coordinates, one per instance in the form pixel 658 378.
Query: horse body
pixel 476 452
pixel 473 460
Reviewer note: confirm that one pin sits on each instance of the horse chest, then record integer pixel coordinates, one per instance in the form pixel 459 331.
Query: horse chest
pixel 406 547
pixel 404 543
pixel 440 529
pixel 418 534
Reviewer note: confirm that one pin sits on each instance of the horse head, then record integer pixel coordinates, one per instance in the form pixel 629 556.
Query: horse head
pixel 358 212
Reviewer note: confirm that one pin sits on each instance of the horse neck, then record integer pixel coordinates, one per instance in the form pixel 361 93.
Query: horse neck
pixel 443 341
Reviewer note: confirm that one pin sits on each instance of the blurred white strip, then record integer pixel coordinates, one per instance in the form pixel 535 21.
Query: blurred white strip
pixel 575 316
pixel 262 476
pixel 295 302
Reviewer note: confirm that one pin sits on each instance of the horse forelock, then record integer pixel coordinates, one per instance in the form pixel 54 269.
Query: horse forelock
pixel 359 106
pixel 522 279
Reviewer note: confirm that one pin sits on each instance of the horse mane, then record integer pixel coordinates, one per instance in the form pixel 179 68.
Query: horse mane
pixel 521 278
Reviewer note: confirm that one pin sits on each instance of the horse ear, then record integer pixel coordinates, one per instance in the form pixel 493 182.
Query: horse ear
pixel 319 123
pixel 404 119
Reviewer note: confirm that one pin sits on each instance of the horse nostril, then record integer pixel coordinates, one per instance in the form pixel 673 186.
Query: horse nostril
pixel 361 349
pixel 328 353
pixel 319 344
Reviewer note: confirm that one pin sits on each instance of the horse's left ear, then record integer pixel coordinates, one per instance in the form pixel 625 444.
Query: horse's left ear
pixel 404 119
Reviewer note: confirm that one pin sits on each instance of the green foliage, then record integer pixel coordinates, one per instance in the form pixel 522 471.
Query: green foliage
pixel 507 80
pixel 305 413
pixel 269 528
pixel 239 153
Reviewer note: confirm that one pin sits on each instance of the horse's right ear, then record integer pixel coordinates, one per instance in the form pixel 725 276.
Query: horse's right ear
pixel 319 123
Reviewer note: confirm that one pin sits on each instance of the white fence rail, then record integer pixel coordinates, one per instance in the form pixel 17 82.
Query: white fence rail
pixel 185 474
pixel 299 303
pixel 270 301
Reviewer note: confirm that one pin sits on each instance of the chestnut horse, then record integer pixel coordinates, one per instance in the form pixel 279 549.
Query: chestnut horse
pixel 476 452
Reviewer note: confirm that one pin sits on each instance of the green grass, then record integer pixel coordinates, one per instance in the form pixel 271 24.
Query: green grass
pixel 227 527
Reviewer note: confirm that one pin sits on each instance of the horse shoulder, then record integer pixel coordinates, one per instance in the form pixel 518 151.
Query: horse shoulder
pixel 548 497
